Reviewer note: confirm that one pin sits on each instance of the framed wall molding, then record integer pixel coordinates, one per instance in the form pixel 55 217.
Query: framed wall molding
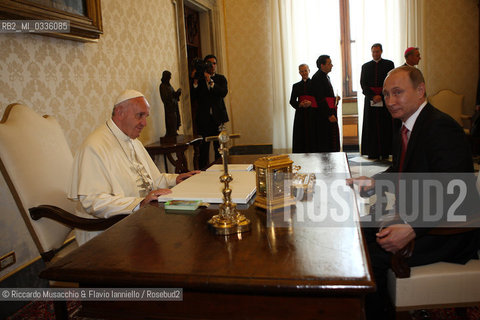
pixel 84 15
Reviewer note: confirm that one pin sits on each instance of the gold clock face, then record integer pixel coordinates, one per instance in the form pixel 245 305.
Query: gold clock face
pixel 261 182
pixel 279 179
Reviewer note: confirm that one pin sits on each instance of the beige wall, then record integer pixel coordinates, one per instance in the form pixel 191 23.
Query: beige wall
pixel 249 54
pixel 450 57
pixel 78 82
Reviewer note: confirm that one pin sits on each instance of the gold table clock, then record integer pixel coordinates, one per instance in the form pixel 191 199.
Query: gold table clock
pixel 274 175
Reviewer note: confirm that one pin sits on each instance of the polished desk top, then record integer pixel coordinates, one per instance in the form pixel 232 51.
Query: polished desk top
pixel 152 248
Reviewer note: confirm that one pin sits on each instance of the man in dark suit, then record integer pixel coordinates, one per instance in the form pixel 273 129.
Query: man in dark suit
pixel 432 142
pixel 209 92
pixel 324 118
pixel 301 100
pixel 377 121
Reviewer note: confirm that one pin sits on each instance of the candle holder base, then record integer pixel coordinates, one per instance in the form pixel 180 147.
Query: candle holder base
pixel 230 223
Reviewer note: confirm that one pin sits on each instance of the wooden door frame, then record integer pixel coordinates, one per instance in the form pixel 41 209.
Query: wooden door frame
pixel 211 24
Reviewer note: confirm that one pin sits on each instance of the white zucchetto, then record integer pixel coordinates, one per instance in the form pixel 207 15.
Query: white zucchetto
pixel 127 95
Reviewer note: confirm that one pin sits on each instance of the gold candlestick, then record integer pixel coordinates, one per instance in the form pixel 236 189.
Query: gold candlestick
pixel 228 220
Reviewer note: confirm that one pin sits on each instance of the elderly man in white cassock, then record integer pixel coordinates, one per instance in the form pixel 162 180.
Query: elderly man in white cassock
pixel 112 171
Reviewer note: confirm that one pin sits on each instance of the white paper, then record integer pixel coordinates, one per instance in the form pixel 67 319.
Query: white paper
pixel 206 186
pixel 231 167
pixel 361 159
pixel 390 201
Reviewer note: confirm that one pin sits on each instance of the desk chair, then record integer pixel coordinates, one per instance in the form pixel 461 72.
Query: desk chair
pixel 36 161
pixel 440 284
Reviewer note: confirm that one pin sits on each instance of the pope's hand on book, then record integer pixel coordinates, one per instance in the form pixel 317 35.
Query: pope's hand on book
pixel 153 196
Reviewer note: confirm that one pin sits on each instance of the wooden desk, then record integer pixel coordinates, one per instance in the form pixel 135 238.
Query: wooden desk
pixel 302 271
pixel 178 145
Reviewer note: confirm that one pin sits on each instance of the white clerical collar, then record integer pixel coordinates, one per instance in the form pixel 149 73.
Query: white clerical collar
pixel 119 134
pixel 411 120
pixel 377 61
pixel 409 65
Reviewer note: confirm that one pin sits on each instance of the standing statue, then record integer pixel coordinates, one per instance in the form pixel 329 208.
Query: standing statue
pixel 170 99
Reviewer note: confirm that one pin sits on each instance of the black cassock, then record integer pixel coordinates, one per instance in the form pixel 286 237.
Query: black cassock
pixel 326 132
pixel 377 121
pixel 301 126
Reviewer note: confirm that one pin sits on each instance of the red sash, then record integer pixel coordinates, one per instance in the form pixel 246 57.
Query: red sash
pixel 331 102
pixel 377 90
pixel 309 98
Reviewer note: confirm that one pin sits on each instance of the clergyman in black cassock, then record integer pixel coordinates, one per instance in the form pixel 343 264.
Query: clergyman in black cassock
pixel 325 117
pixel 303 102
pixel 377 121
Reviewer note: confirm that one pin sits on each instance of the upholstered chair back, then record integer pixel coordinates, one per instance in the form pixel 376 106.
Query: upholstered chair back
pixel 36 162
pixel 449 102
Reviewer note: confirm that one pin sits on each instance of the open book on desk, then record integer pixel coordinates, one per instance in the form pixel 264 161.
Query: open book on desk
pixel 231 167
pixel 206 186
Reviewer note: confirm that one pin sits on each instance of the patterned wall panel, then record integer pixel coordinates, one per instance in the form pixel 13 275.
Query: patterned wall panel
pixel 249 48
pixel 78 82
pixel 451 40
